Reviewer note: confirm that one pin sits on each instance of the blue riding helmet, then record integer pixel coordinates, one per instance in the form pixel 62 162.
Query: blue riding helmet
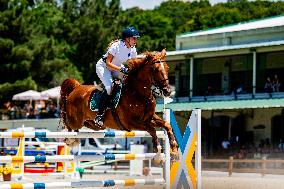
pixel 129 32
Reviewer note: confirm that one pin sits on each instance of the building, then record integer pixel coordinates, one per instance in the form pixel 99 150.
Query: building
pixel 224 71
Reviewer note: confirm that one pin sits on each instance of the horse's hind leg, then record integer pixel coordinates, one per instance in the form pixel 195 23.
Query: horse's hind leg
pixel 77 140
pixel 71 142
pixel 68 141
pixel 91 125
pixel 165 125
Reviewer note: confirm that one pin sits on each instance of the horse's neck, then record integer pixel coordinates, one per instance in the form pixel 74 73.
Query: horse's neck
pixel 141 86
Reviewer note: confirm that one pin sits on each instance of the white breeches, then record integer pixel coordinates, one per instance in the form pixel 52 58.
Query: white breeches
pixel 105 75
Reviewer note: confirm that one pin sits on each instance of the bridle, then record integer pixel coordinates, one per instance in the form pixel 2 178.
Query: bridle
pixel 158 85
pixel 161 83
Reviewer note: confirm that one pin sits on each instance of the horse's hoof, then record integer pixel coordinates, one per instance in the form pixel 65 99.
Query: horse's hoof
pixel 158 160
pixel 68 141
pixel 158 163
pixel 91 124
pixel 174 156
pixel 71 142
pixel 76 142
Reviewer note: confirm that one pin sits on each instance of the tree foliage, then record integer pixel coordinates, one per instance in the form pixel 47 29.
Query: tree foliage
pixel 42 42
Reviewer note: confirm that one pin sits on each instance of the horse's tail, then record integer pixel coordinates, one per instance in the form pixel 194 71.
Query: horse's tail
pixel 67 86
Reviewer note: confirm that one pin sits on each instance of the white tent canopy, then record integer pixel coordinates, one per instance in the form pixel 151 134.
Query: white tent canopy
pixel 29 95
pixel 51 93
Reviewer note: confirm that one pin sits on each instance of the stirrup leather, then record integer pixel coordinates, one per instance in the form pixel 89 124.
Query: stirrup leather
pixel 99 120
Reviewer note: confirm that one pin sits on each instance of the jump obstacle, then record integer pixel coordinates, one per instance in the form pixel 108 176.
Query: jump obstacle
pixel 64 158
pixel 80 184
pixel 93 134
pixel 181 174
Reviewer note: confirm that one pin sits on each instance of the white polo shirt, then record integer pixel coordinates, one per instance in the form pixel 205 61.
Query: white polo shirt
pixel 120 52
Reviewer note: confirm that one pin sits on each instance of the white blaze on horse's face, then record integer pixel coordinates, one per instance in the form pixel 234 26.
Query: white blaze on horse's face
pixel 161 74
pixel 162 69
pixel 162 65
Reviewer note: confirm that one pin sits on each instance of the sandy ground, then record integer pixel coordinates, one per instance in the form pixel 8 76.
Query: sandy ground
pixel 219 180
pixel 210 180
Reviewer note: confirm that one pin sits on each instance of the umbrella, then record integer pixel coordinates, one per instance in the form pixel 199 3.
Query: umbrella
pixel 51 93
pixel 28 95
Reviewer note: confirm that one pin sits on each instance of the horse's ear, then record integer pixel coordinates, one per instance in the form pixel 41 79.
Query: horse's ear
pixel 163 53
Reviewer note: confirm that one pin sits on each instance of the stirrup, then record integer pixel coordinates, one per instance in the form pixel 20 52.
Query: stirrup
pixel 99 120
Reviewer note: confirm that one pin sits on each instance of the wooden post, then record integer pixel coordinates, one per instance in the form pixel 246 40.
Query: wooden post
pixel 116 165
pixel 230 166
pixel 263 170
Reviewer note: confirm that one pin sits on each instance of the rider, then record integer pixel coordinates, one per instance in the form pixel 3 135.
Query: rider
pixel 111 64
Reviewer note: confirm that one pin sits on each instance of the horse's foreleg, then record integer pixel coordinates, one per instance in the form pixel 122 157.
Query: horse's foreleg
pixel 157 148
pixel 152 131
pixel 165 125
pixel 149 127
pixel 146 126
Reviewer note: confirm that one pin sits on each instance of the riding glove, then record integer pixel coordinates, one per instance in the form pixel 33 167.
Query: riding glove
pixel 124 70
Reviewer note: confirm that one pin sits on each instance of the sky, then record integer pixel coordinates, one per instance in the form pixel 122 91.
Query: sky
pixel 150 4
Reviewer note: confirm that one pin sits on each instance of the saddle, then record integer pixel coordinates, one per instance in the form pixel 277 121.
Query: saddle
pixel 115 96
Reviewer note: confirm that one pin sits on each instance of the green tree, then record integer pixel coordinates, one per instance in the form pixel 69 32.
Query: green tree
pixel 42 42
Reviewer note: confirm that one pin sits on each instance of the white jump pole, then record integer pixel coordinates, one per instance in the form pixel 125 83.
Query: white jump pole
pixel 198 150
pixel 167 169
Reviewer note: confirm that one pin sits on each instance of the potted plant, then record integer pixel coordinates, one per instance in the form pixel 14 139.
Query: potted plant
pixel 6 171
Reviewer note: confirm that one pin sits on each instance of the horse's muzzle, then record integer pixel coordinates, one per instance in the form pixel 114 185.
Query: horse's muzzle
pixel 166 91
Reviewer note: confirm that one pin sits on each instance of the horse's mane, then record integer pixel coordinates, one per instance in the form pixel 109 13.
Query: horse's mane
pixel 136 63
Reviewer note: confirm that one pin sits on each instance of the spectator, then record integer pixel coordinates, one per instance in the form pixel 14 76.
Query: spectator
pixel 275 84
pixel 281 145
pixel 239 89
pixel 209 91
pixel 267 142
pixel 268 86
pixel 261 144
pixel 225 144
pixel 115 145
pixel 51 110
pixel 145 146
pixel 31 114
pixel 27 109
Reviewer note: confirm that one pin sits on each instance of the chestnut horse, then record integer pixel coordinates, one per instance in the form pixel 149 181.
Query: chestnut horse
pixel 136 108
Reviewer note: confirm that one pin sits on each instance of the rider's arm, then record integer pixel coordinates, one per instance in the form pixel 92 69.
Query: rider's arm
pixel 109 63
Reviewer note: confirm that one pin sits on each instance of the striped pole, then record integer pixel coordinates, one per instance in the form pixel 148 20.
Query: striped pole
pixel 94 134
pixel 105 157
pixel 44 143
pixel 80 184
pixel 63 158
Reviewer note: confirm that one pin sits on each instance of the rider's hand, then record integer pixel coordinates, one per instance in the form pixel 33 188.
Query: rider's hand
pixel 124 70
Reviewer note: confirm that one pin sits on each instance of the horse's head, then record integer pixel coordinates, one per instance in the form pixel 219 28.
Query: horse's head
pixel 150 70
pixel 159 74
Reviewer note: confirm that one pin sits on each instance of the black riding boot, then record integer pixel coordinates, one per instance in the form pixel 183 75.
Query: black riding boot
pixel 99 120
